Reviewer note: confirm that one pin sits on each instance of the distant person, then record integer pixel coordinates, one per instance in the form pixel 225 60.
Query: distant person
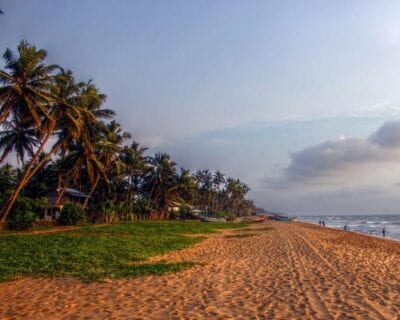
pixel 383 232
pixel 320 222
pixel 323 223
pixel 345 227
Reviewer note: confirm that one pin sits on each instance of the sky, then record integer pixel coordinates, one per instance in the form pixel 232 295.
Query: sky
pixel 299 99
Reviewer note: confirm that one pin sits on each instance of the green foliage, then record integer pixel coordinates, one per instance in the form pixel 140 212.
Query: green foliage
pixel 100 252
pixel 184 213
pixel 72 215
pixel 88 151
pixel 7 179
pixel 25 213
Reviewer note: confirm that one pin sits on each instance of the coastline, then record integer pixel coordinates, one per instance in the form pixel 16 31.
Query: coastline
pixel 352 231
pixel 278 271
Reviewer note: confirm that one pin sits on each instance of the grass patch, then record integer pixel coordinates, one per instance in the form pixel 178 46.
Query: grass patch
pixel 95 253
pixel 161 227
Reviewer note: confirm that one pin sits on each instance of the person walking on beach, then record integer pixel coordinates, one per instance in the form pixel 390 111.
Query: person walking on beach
pixel 383 232
pixel 323 223
pixel 345 227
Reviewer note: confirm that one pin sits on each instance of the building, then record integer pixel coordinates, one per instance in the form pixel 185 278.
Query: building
pixel 52 212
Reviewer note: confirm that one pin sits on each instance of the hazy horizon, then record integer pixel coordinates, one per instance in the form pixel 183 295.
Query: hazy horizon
pixel 299 100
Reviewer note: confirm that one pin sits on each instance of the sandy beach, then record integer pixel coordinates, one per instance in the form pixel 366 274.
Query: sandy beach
pixel 277 271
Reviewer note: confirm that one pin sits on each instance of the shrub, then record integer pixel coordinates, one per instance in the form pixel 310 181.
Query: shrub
pixel 25 213
pixel 185 212
pixel 72 215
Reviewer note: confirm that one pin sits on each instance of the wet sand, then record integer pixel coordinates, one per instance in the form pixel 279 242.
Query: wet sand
pixel 290 271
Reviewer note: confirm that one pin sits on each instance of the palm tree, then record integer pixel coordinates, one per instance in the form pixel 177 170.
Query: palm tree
pixel 186 186
pixel 107 149
pixel 67 116
pixel 218 180
pixel 204 179
pixel 78 162
pixel 79 156
pixel 19 138
pixel 63 120
pixel 161 184
pixel 27 84
pixel 236 191
pixel 135 166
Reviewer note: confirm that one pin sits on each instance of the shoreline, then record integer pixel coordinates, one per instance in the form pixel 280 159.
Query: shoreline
pixel 352 231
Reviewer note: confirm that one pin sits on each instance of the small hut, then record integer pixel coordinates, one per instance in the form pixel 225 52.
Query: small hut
pixel 52 212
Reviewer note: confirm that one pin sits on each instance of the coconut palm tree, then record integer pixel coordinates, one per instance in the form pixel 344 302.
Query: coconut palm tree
pixel 72 111
pixel 107 150
pixel 161 184
pixel 135 166
pixel 27 83
pixel 186 186
pixel 78 156
pixel 18 138
pixel 236 191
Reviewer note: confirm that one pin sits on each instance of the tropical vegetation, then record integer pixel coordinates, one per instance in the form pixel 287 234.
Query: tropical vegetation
pixel 61 136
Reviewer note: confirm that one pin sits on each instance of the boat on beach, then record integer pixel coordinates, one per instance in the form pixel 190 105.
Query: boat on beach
pixel 279 217
pixel 255 219
pixel 211 219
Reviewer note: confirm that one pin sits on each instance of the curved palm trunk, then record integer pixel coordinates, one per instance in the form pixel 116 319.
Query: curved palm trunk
pixel 60 195
pixel 29 173
pixel 91 192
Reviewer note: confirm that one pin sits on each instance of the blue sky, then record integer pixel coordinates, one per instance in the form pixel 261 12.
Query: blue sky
pixel 245 87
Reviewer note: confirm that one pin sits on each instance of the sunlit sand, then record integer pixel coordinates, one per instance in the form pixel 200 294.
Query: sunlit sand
pixel 288 271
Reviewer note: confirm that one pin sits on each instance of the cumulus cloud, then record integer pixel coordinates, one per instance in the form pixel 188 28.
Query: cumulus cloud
pixel 329 159
pixel 388 135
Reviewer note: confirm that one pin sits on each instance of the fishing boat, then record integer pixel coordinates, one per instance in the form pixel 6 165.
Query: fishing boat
pixel 211 219
pixel 255 219
pixel 280 217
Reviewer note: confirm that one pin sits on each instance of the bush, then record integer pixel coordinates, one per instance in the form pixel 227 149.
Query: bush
pixel 185 212
pixel 25 213
pixel 72 215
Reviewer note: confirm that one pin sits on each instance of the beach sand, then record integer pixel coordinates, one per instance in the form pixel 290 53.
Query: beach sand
pixel 288 271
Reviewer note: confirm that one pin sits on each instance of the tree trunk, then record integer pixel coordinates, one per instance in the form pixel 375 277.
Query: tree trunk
pixel 61 194
pixel 91 192
pixel 29 172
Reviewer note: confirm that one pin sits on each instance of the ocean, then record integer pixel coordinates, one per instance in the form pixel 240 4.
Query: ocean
pixel 368 224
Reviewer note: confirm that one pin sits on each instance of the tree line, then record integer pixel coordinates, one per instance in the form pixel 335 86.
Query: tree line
pixel 63 137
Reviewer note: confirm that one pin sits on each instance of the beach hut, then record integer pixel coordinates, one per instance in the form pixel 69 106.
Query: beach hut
pixel 53 211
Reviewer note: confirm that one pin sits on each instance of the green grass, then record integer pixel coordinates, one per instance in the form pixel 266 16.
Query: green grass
pixel 95 253
pixel 162 227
